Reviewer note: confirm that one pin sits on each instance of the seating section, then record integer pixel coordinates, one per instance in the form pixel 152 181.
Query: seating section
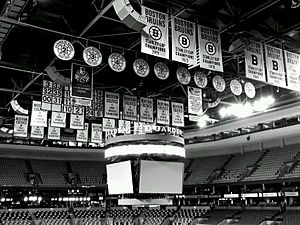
pixel 291 218
pixel 157 216
pixel 53 217
pixel 51 172
pixel 123 216
pixel 90 173
pixel 15 218
pixel 186 215
pixel 12 172
pixel 254 217
pixel 268 168
pixel 203 167
pixel 237 165
pixel 294 173
pixel 89 216
pixel 218 215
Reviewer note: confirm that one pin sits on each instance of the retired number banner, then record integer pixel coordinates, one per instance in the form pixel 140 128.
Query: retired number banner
pixel 157 42
pixel 111 105
pixel 210 49
pixel 81 81
pixel 183 41
pixel 275 66
pixel 96 136
pixel 163 112
pixel 21 126
pixel 38 116
pixel 146 110
pixel 195 101
pixel 53 133
pixel 292 62
pixel 129 107
pixel 58 119
pixel 37 132
pixel 254 61
pixel 108 124
pixel 177 114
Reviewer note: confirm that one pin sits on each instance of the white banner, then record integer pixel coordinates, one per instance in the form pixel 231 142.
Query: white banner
pixel 124 127
pixel 157 42
pixel 129 107
pixel 254 61
pixel 58 119
pixel 146 110
pixel 210 49
pixel 275 66
pixel 138 128
pixel 111 105
pixel 108 124
pixel 292 62
pixel 183 41
pixel 77 122
pixel 163 112
pixel 38 116
pixel 21 126
pixel 53 133
pixel 83 135
pixel 96 136
pixel 177 114
pixel 37 132
pixel 194 101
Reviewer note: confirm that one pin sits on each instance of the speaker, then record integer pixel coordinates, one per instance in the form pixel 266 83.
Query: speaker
pixel 57 77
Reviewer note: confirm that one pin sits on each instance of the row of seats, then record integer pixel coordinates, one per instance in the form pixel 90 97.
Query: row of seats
pixel 157 216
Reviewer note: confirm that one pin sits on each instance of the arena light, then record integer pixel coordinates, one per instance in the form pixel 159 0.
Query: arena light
pixel 263 103
pixel 144 149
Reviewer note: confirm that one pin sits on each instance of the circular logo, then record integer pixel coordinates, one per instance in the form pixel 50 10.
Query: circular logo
pixel 64 50
pixel 210 48
pixel 184 41
pixel 116 62
pixel 161 70
pixel 92 56
pixel 155 33
pixel 141 67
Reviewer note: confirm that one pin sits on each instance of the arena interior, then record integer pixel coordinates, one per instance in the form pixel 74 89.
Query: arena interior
pixel 149 112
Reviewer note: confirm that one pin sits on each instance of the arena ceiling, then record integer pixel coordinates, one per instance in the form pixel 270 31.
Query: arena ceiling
pixel 29 28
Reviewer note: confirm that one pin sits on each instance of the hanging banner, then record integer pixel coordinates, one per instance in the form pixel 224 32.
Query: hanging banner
pixel 81 81
pixel 96 136
pixel 83 135
pixel 183 41
pixel 53 133
pixel 210 49
pixel 194 101
pixel 146 110
pixel 38 116
pixel 111 105
pixel 138 128
pixel 47 95
pixel 56 97
pixel 21 126
pixel 254 61
pixel 177 114
pixel 129 107
pixel 77 122
pixel 157 42
pixel 37 132
pixel 163 112
pixel 124 127
pixel 275 66
pixel 292 62
pixel 108 124
pixel 58 119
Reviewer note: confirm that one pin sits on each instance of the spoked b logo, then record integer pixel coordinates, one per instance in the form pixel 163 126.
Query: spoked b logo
pixel 184 41
pixel 155 33
pixel 210 48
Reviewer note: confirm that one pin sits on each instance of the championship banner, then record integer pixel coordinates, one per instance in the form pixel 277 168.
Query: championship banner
pixel 163 112
pixel 37 132
pixel 82 135
pixel 96 136
pixel 81 81
pixel 38 116
pixel 111 105
pixel 275 66
pixel 146 110
pixel 210 49
pixel 58 119
pixel 183 41
pixel 77 122
pixel 53 133
pixel 108 124
pixel 254 61
pixel 21 126
pixel 292 62
pixel 124 127
pixel 129 107
pixel 194 101
pixel 177 114
pixel 157 42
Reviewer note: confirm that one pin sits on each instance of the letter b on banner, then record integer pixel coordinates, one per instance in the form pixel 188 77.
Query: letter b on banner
pixel 275 65
pixel 254 60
